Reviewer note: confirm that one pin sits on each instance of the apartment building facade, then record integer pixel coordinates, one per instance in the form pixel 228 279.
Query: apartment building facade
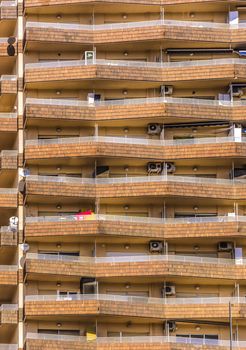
pixel 123 175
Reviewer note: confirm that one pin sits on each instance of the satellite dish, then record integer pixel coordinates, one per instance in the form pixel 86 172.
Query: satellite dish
pixel 25 247
pixel 10 50
pixel 13 220
pixel 11 40
pixel 13 223
pixel 24 172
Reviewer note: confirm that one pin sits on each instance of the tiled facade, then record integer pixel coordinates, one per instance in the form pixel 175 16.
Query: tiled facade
pixel 122 175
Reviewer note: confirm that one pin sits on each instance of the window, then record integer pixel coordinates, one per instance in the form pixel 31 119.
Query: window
pixel 144 294
pixel 125 253
pixel 59 253
pixel 211 339
pixel 127 334
pixel 67 295
pixel 194 215
pixel 59 331
pixel 48 213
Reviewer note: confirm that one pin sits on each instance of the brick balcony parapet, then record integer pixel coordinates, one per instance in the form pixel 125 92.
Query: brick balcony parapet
pixel 148 266
pixel 107 226
pixel 142 108
pixel 122 149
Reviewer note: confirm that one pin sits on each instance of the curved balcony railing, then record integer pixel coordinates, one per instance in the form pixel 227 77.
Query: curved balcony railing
pixel 8 115
pixel 8 77
pixel 8 191
pixel 8 153
pixel 9 307
pixel 126 25
pixel 118 63
pixel 133 258
pixel 134 179
pixel 142 300
pixel 135 101
pixel 8 3
pixel 7 268
pixel 138 219
pixel 137 339
pixel 134 141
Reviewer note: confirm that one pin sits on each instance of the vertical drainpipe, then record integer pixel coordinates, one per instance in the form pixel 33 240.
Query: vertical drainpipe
pixel 20 112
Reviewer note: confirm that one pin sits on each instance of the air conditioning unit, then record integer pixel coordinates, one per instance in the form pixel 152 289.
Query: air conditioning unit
pixel 13 223
pixel 154 168
pixel 170 167
pixel 237 92
pixel 155 246
pixel 91 97
pixel 10 48
pixel 225 246
pixel 171 326
pixel 154 129
pixel 168 290
pixel 90 56
pixel 166 90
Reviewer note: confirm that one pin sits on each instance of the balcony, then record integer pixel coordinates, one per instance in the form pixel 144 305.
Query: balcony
pixel 95 146
pixel 8 198
pixel 8 160
pixel 117 305
pixel 9 313
pixel 7 237
pixel 37 228
pixel 46 341
pixel 8 10
pixel 44 32
pixel 52 266
pixel 145 186
pixel 156 30
pixel 8 122
pixel 164 107
pixel 8 84
pixel 51 73
pixel 8 275
pixel 29 4
pixel 4 44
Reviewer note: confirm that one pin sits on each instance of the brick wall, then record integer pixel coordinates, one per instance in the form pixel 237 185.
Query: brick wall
pixel 9 316
pixel 8 200
pixel 107 149
pixel 8 161
pixel 122 228
pixel 8 278
pixel 145 110
pixel 8 124
pixel 227 71
pixel 116 308
pixel 8 86
pixel 36 344
pixel 140 268
pixel 8 238
pixel 4 45
pixel 8 12
pixel 137 189
pixel 33 3
pixel 157 32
